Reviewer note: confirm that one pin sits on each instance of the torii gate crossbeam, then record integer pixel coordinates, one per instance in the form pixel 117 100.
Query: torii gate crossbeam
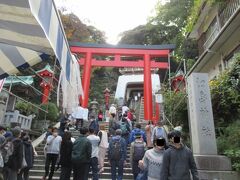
pixel 122 56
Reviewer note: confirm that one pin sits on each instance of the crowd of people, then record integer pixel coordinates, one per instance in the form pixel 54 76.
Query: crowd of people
pixel 154 154
pixel 16 154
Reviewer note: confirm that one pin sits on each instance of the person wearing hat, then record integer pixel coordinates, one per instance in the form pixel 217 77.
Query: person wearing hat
pixel 178 160
pixel 137 151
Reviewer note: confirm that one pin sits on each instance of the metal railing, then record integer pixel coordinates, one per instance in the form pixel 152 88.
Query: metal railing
pixel 212 36
pixel 227 10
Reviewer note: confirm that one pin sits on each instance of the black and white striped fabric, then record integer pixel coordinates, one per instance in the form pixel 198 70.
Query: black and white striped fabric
pixel 30 30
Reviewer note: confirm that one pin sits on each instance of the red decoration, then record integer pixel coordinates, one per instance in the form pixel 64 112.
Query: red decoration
pixel 178 83
pixel 46 84
pixel 106 95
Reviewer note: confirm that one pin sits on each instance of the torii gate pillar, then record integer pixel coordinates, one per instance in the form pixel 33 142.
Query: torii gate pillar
pixel 86 79
pixel 148 112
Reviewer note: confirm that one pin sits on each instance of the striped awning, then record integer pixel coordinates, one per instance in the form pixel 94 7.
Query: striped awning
pixel 31 30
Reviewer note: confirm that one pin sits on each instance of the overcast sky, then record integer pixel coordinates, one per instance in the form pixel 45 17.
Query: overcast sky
pixel 111 16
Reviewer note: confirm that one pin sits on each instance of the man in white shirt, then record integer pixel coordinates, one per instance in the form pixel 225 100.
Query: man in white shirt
pixel 95 140
pixel 112 110
pixel 52 150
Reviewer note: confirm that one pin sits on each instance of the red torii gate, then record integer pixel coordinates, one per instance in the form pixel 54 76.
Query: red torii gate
pixel 120 53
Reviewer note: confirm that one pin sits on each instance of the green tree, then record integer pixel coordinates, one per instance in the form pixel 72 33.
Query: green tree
pixel 77 31
pixel 225 94
pixel 52 114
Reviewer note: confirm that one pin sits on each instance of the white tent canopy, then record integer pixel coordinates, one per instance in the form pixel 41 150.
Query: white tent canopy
pixel 31 30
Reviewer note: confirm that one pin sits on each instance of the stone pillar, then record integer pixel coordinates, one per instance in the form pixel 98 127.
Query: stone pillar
pixel 201 116
pixel 209 164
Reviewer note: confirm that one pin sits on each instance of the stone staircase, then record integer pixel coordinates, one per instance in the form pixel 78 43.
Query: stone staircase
pixel 37 172
pixel 141 111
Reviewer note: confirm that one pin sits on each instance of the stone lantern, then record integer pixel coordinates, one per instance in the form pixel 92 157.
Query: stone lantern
pixel 94 107
pixel 47 74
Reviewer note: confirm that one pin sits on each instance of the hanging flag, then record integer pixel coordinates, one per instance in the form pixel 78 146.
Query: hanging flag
pixel 1 84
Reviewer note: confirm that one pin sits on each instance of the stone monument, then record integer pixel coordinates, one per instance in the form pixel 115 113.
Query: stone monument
pixel 94 107
pixel 210 165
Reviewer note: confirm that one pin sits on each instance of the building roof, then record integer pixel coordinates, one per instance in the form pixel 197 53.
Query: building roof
pixel 19 80
pixel 124 46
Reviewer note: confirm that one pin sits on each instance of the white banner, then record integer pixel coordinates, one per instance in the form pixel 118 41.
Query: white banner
pixel 1 84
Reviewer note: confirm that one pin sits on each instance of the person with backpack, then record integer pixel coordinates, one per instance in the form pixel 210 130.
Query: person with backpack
pixel 28 155
pixel 125 127
pixel 103 145
pixel 66 156
pixel 153 160
pixel 95 140
pixel 113 126
pixel 14 155
pixel 178 160
pixel 117 154
pixel 81 156
pixel 137 151
pixel 137 131
pixel 158 132
pixel 52 153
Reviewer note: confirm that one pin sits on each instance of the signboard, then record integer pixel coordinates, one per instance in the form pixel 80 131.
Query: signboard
pixel 159 98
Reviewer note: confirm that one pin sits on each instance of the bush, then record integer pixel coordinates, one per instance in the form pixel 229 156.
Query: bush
pixel 52 114
pixel 25 108
pixel 229 144
pixel 225 94
pixel 235 157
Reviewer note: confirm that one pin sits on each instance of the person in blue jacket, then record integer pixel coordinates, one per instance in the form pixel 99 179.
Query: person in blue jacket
pixel 137 131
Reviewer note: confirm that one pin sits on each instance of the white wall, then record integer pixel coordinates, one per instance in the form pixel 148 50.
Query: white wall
pixel 124 80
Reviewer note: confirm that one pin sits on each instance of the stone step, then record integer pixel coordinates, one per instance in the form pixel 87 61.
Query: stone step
pixel 37 171
pixel 57 178
pixel 106 175
pixel 127 169
pixel 42 163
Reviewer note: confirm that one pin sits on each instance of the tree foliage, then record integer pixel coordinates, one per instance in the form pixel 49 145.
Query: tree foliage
pixel 103 78
pixel 77 31
pixel 225 94
pixel 52 114
pixel 166 27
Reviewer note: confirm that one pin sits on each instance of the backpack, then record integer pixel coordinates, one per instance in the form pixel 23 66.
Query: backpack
pixel 7 150
pixel 159 132
pixel 139 151
pixel 124 127
pixel 116 150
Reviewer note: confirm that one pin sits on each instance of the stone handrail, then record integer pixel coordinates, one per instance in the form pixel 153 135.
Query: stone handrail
pixel 40 139
pixel 25 122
